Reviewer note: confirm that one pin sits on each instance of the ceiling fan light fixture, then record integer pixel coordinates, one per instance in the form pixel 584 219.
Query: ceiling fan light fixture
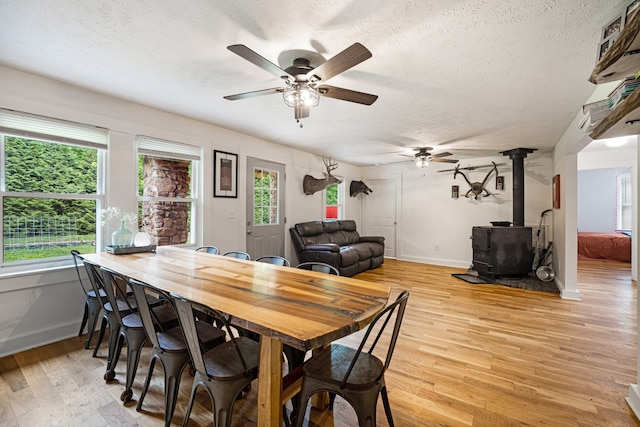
pixel 422 162
pixel 301 96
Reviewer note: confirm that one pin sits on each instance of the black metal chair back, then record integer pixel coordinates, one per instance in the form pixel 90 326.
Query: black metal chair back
pixel 209 249
pixel 224 370
pixel 319 266
pixel 356 375
pixel 275 260
pixel 238 254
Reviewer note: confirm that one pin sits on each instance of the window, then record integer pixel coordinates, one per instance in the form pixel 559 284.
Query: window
pixel 333 201
pixel 265 197
pixel 167 190
pixel 624 208
pixel 50 188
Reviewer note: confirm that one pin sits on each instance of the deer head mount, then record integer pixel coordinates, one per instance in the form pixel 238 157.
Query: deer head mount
pixel 477 188
pixel 310 184
pixel 358 187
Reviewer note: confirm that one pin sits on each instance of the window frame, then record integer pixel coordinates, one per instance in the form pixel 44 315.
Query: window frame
pixel 173 150
pixel 340 205
pixel 54 131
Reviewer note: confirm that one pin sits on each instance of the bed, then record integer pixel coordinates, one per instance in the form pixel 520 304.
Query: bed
pixel 610 246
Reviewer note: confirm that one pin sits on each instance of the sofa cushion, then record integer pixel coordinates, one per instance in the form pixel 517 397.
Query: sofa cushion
pixel 348 256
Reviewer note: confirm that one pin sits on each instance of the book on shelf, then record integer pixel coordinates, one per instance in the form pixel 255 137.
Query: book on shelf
pixel 622 91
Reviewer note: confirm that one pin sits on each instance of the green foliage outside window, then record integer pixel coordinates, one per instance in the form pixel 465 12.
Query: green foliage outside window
pixel 265 197
pixel 44 167
pixel 331 194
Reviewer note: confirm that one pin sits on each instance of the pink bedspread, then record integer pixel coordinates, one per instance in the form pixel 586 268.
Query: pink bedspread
pixel 612 246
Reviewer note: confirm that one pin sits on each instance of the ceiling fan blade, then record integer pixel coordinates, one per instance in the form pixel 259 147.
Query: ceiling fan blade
pixel 253 57
pixel 347 95
pixel 433 159
pixel 444 154
pixel 350 57
pixel 254 93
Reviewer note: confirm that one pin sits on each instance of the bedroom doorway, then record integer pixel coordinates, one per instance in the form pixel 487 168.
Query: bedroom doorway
pixel 607 182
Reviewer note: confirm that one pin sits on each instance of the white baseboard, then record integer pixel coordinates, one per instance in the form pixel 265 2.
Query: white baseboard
pixel 633 399
pixel 16 344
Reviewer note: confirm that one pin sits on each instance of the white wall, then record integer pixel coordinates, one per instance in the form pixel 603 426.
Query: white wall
pixel 597 200
pixel 436 228
pixel 46 306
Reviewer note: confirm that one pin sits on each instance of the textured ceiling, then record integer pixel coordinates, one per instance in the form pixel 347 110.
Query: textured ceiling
pixel 485 75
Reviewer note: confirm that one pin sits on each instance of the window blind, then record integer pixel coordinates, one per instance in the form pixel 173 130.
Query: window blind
pixel 156 147
pixel 50 129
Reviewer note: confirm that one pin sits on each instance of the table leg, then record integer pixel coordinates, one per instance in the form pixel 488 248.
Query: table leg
pixel 270 382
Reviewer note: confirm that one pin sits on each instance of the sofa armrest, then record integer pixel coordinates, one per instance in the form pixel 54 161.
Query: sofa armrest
pixel 327 247
pixel 373 239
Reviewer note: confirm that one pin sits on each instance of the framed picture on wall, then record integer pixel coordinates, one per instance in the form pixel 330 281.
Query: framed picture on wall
pixel 225 174
pixel 555 185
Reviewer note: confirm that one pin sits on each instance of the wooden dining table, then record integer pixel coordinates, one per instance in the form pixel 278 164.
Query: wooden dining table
pixel 301 308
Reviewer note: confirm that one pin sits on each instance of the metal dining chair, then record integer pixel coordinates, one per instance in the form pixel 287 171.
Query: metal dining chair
pixel 356 375
pixel 238 254
pixel 209 249
pixel 275 260
pixel 93 303
pixel 319 266
pixel 169 345
pixel 128 327
pixel 225 370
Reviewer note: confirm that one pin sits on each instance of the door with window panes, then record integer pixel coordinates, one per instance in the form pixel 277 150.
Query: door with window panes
pixel 265 208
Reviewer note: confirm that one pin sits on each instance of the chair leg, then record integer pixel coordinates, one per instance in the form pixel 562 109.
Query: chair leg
pixel 224 400
pixel 387 407
pixel 135 340
pixel 85 317
pixel 95 306
pixel 115 347
pixel 173 367
pixel 192 398
pixel 103 327
pixel 152 364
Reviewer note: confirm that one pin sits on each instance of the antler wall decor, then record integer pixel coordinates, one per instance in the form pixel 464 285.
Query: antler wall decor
pixel 310 184
pixel 476 188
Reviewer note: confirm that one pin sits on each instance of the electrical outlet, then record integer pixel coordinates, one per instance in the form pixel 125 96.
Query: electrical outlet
pixel 231 213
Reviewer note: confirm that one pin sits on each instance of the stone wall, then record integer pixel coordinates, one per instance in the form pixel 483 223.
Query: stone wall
pixel 166 222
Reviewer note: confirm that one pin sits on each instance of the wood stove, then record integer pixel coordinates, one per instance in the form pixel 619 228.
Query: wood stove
pixel 502 251
pixel 506 251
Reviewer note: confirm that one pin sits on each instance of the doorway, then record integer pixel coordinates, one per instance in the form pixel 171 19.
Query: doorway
pixel 379 213
pixel 265 208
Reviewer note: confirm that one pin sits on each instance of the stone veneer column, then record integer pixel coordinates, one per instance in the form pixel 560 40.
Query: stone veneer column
pixel 167 222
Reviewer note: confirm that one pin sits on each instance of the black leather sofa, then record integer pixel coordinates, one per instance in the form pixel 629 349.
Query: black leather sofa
pixel 338 243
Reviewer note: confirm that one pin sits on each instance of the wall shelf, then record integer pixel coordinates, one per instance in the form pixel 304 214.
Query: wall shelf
pixel 620 61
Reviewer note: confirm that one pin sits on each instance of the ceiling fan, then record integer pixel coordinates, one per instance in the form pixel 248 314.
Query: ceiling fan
pixel 424 157
pixel 304 83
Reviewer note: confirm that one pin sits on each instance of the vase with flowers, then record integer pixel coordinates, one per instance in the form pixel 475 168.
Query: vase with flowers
pixel 121 237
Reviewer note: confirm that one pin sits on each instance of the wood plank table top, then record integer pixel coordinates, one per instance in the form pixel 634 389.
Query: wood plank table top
pixel 302 308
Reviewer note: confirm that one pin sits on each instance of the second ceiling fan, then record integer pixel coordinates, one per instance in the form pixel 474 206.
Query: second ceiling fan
pixel 423 157
pixel 304 83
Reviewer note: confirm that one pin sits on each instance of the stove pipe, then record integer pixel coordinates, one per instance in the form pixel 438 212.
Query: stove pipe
pixel 517 155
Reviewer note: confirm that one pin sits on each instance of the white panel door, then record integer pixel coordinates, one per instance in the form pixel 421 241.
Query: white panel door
pixel 265 208
pixel 379 213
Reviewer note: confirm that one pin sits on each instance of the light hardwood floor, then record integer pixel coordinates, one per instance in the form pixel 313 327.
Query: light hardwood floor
pixel 468 355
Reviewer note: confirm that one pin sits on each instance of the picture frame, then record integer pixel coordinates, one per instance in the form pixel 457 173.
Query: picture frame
pixel 499 183
pixel 555 188
pixel 603 48
pixel 225 174
pixel 613 27
pixel 455 191
pixel 611 30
